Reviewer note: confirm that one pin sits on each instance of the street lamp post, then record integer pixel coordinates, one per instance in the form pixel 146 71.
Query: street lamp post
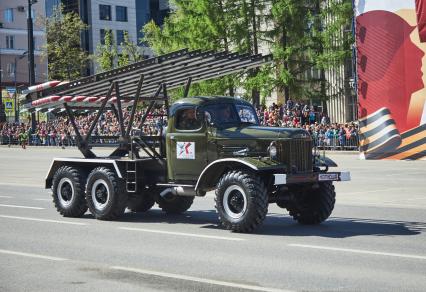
pixel 16 92
pixel 31 55
pixel 2 113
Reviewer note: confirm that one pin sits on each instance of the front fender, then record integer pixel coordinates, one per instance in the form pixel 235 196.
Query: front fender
pixel 212 172
pixel 325 161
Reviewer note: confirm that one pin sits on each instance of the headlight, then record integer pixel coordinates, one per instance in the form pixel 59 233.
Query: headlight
pixel 272 150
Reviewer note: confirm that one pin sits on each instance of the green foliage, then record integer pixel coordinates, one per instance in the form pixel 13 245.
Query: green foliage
pixel 66 60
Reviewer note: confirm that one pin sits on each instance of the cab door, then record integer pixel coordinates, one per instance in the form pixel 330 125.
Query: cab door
pixel 186 149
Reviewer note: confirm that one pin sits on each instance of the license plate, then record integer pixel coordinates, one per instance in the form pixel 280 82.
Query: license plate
pixel 328 176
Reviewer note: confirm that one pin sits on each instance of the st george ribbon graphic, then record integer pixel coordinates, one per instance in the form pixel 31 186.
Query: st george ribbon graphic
pixel 380 138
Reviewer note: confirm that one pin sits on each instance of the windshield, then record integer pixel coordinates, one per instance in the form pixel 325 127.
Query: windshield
pixel 228 114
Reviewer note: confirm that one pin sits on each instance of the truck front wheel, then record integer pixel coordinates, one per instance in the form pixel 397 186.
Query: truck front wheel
pixel 68 192
pixel 105 195
pixel 313 206
pixel 241 201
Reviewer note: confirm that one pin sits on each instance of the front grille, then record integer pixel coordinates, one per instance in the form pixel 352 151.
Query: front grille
pixel 296 154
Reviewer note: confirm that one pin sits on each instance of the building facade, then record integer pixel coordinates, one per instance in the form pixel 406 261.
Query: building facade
pixel 14 42
pixel 14 63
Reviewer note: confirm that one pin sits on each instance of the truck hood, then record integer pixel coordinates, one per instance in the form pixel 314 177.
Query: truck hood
pixel 260 132
pixel 254 140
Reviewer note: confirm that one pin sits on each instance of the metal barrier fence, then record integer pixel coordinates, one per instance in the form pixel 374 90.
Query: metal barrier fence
pixel 334 143
pixel 337 143
pixel 51 140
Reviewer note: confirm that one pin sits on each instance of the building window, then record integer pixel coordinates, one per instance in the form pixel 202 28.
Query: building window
pixel 8 15
pixel 11 69
pixel 121 13
pixel 103 33
pixel 120 36
pixel 10 42
pixel 104 12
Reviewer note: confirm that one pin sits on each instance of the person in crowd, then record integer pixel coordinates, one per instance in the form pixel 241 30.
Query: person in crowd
pixel 23 138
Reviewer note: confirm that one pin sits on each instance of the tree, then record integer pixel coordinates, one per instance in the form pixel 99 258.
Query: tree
pixel 306 37
pixel 106 52
pixel 109 56
pixel 130 52
pixel 332 32
pixel 66 59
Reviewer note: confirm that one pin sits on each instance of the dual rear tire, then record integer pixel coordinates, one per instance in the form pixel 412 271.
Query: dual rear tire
pixel 105 194
pixel 101 193
pixel 68 192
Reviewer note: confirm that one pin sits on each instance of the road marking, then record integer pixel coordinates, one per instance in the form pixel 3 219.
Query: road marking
pixel 21 185
pixel 46 200
pixel 23 207
pixel 199 280
pixel 31 255
pixel 381 205
pixel 399 255
pixel 42 220
pixel 374 191
pixel 6 197
pixel 406 173
pixel 182 234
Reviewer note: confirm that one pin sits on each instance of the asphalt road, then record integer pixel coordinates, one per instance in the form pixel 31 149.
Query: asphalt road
pixel 374 241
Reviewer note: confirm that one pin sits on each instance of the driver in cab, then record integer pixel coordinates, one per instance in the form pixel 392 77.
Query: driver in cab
pixel 188 120
pixel 225 114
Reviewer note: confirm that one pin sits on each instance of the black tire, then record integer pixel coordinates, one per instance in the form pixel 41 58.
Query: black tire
pixel 141 202
pixel 175 205
pixel 314 206
pixel 68 192
pixel 241 201
pixel 105 194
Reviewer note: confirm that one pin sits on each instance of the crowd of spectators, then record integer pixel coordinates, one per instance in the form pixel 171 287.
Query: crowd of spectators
pixel 300 115
pixel 59 131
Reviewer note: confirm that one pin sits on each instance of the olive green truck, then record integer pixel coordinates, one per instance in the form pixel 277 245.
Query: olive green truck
pixel 205 143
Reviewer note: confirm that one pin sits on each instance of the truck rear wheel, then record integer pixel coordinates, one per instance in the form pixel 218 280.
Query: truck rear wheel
pixel 175 204
pixel 241 201
pixel 68 192
pixel 313 206
pixel 105 195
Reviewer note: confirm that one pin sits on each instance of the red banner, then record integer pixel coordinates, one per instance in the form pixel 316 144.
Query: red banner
pixel 391 62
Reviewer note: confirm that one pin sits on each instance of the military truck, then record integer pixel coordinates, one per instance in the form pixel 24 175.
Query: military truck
pixel 209 143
